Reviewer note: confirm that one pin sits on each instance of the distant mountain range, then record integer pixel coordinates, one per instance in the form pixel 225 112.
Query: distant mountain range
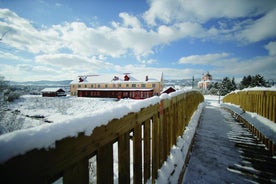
pixel 43 83
pixel 66 83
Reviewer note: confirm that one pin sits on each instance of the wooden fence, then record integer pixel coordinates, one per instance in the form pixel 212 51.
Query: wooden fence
pixel 153 131
pixel 261 102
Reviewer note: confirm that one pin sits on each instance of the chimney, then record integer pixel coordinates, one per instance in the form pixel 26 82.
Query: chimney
pixel 147 78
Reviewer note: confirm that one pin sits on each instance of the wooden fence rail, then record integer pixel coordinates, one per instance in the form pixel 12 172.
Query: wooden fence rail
pixel 261 102
pixel 152 131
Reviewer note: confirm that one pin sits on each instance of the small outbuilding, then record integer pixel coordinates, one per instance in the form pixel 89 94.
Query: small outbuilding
pixel 53 92
pixel 169 90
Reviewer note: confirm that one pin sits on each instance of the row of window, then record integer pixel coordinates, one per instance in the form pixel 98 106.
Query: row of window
pixel 117 94
pixel 148 85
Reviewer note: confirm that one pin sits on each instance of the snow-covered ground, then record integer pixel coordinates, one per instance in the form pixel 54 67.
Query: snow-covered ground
pixel 33 110
pixel 214 151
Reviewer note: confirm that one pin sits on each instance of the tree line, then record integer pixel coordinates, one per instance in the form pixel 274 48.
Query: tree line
pixel 227 85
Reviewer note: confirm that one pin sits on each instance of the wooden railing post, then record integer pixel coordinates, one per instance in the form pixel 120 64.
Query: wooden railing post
pixel 155 146
pixel 137 150
pixel 105 164
pixel 124 158
pixel 147 150
pixel 77 174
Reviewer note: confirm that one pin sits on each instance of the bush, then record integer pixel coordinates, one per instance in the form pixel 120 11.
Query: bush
pixel 8 93
pixel 13 95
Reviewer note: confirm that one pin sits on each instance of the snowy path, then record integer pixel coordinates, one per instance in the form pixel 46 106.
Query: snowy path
pixel 225 152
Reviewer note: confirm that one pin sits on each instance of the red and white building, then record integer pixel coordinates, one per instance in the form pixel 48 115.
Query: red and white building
pixel 206 80
pixel 127 85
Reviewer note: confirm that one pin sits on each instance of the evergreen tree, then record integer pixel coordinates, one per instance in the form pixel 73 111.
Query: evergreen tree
pixel 252 81
pixel 234 85
pixel 227 86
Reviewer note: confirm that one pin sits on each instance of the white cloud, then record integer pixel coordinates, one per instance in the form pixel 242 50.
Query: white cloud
pixel 230 20
pixel 224 64
pixel 10 56
pixel 208 59
pixel 24 36
pixel 130 21
pixel 260 65
pixel 90 41
pixel 169 11
pixel 29 72
pixel 81 39
pixel 72 62
pixel 261 29
pixel 271 47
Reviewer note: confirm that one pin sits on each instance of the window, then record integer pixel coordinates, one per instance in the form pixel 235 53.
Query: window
pixel 153 85
pixel 143 85
pixel 133 85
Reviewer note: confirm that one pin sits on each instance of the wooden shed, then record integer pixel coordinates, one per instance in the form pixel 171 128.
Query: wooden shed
pixel 53 92
pixel 169 90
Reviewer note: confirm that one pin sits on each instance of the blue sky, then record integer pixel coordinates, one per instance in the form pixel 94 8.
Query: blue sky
pixel 58 40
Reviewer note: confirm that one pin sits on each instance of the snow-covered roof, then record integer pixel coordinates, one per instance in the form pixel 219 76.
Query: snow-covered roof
pixel 119 78
pixel 51 89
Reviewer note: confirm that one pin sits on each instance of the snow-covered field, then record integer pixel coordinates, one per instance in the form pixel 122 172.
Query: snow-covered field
pixel 33 110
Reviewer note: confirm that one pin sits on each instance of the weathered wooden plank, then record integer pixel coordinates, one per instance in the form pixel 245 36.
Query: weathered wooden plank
pixel 164 124
pixel 137 151
pixel 124 158
pixel 147 150
pixel 155 146
pixel 77 173
pixel 105 164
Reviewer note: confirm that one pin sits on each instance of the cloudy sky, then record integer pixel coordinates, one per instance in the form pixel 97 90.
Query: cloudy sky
pixel 58 40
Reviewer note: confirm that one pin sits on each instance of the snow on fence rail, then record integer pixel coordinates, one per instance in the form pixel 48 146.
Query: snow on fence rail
pixel 262 102
pixel 153 127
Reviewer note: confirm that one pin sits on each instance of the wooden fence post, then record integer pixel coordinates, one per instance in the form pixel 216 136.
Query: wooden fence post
pixel 77 174
pixel 147 150
pixel 124 158
pixel 155 146
pixel 105 171
pixel 137 151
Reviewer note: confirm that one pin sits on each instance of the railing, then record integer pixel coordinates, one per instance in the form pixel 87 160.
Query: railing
pixel 152 131
pixel 261 102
